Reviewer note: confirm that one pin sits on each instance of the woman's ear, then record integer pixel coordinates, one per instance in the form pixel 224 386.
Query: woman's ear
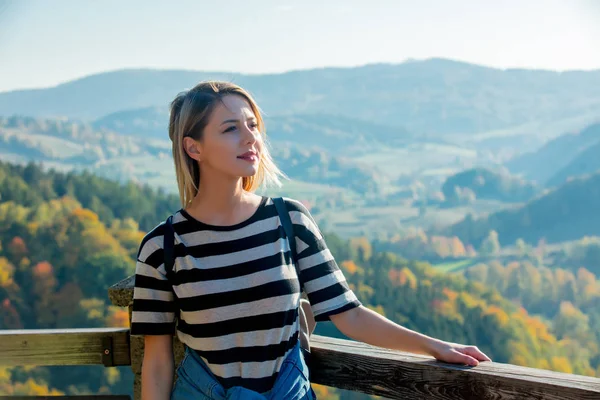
pixel 192 148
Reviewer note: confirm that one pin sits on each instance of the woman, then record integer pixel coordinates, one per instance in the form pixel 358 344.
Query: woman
pixel 234 286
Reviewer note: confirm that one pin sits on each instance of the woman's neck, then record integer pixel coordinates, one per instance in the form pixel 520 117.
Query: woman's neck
pixel 222 202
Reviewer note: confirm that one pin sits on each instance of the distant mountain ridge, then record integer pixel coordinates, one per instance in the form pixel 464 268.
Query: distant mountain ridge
pixel 556 155
pixel 586 162
pixel 432 96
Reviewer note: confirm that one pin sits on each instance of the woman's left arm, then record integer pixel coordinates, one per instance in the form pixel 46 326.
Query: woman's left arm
pixel 365 325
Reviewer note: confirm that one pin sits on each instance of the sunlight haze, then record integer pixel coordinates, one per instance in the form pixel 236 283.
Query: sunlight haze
pixel 44 43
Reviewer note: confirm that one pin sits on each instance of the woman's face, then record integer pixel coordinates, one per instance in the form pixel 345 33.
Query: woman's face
pixel 231 143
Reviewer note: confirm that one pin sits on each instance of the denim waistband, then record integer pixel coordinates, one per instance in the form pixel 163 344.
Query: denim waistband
pixel 196 381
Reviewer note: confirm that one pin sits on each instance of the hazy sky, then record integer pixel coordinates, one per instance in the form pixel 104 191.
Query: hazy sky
pixel 46 42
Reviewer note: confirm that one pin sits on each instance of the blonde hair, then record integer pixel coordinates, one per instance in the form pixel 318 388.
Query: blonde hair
pixel 190 112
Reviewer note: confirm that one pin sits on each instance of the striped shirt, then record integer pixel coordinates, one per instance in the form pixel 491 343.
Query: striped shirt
pixel 236 290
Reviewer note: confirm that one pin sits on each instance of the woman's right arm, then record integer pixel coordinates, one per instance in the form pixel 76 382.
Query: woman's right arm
pixel 157 367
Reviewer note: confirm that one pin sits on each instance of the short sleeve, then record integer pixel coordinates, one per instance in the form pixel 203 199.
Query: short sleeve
pixel 153 309
pixel 323 280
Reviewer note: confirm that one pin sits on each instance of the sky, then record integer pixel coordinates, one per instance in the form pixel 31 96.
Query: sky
pixel 47 42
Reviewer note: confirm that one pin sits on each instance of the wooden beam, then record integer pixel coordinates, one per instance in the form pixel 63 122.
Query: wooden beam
pixel 64 346
pixel 372 370
pixel 334 362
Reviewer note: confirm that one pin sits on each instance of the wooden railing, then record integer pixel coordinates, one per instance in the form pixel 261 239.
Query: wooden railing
pixel 337 363
pixel 334 362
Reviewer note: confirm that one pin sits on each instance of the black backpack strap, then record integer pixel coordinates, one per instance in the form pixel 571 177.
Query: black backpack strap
pixel 169 255
pixel 169 247
pixel 288 228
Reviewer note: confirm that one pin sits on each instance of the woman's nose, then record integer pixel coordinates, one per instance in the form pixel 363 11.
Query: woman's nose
pixel 249 134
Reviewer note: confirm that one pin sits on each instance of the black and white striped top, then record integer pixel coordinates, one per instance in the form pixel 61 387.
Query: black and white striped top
pixel 237 290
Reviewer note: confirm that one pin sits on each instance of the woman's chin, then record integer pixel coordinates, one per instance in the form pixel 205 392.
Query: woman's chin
pixel 248 172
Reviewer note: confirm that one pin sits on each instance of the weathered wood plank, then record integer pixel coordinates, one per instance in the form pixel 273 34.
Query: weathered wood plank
pixel 338 363
pixel 359 367
pixel 62 346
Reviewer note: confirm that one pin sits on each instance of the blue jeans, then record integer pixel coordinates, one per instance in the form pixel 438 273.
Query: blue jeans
pixel 196 382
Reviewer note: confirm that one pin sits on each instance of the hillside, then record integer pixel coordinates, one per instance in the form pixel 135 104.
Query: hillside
pixel 150 122
pixel 30 186
pixel 587 162
pixel 319 167
pixel 485 183
pixel 71 145
pixel 555 155
pixel 566 213
pixel 432 96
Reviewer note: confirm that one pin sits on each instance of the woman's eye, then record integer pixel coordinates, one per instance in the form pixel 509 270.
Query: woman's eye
pixel 230 129
pixel 254 125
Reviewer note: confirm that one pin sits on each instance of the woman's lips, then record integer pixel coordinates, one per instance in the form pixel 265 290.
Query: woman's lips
pixel 250 156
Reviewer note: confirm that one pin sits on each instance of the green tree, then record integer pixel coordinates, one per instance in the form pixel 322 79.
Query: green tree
pixel 491 244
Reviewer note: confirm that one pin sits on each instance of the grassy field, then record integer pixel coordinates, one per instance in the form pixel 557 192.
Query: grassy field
pixel 455 266
pixel 429 157
pixel 359 220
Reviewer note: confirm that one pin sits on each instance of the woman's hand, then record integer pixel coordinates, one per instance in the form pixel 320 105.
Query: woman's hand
pixel 365 325
pixel 457 353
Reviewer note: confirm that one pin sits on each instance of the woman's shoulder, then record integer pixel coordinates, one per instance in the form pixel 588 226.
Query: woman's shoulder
pixel 153 240
pixel 299 212
pixel 295 205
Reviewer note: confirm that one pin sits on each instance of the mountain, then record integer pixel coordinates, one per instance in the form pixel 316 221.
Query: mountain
pixel 101 94
pixel 149 122
pixel 431 96
pixel 488 184
pixel 555 155
pixel 587 162
pixel 566 213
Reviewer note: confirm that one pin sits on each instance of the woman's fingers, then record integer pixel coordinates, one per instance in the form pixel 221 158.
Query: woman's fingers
pixel 466 359
pixel 477 354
